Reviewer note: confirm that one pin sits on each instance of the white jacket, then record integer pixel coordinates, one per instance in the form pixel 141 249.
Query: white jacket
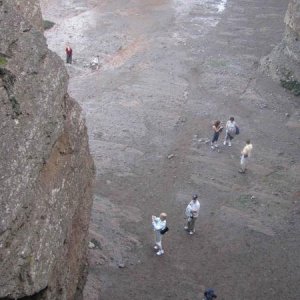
pixel 192 210
pixel 158 224
pixel 231 127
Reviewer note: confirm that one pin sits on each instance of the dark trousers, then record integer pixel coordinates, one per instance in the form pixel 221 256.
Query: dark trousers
pixel 69 58
pixel 191 224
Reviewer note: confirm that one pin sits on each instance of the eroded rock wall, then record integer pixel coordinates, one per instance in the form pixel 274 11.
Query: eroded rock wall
pixel 45 170
pixel 30 10
pixel 283 62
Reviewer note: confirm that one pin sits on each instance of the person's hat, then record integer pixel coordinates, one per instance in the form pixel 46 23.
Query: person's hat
pixel 195 196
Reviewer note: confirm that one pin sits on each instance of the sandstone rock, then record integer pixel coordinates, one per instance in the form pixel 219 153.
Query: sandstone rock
pixel 30 9
pixel 46 169
pixel 283 62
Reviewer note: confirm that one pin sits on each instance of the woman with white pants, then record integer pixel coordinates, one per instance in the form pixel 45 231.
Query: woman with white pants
pixel 159 223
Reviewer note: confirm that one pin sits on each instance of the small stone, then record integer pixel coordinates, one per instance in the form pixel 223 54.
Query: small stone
pixel 253 197
pixel 287 115
pixel 121 265
pixel 91 245
pixel 171 156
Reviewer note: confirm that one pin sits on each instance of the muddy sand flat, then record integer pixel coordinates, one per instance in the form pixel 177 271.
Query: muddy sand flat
pixel 167 70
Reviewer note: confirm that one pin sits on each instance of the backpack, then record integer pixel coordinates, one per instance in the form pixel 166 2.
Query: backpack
pixel 232 128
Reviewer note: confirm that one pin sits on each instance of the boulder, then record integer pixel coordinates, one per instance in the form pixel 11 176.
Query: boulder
pixel 282 64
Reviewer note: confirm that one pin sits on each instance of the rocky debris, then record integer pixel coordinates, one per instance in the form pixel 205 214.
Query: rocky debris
pixel 96 243
pixel 91 245
pixel 121 265
pixel 30 10
pixel 283 62
pixel 46 168
pixel 170 156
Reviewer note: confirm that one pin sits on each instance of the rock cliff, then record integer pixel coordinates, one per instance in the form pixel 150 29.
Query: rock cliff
pixel 283 63
pixel 45 170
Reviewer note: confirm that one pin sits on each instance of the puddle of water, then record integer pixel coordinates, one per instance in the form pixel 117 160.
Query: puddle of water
pixel 185 7
pixel 222 5
pixel 196 17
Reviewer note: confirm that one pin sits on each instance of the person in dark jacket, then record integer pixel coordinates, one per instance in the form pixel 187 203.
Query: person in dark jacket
pixel 209 294
pixel 69 53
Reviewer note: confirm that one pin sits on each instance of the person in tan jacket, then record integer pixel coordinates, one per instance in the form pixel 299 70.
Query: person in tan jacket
pixel 246 153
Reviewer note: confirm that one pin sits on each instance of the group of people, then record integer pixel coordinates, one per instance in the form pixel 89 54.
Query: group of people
pixel 159 224
pixel 160 227
pixel 94 64
pixel 231 130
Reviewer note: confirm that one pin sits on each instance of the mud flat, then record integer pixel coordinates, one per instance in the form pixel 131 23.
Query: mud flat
pixel 168 69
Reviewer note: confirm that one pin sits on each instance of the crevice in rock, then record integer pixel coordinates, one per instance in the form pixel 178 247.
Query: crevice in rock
pixel 37 296
pixel 9 79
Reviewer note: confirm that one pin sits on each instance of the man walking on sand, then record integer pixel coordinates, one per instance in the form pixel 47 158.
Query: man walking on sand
pixel 246 153
pixel 192 212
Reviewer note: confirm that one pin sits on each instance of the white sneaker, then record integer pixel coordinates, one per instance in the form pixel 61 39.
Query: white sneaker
pixel 216 145
pixel 191 232
pixel 229 144
pixel 186 228
pixel 212 147
pixel 160 252
pixel 155 247
pixel 224 143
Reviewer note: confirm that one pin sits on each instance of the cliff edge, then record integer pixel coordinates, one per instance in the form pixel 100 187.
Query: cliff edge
pixel 46 169
pixel 283 62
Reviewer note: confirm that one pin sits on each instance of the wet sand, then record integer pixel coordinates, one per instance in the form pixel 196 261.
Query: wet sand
pixel 167 70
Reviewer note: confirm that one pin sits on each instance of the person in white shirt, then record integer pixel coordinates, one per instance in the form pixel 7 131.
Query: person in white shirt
pixel 230 131
pixel 192 212
pixel 95 63
pixel 159 223
pixel 246 153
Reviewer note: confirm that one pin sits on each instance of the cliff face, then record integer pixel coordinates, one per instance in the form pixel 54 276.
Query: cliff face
pixel 30 10
pixel 45 170
pixel 283 63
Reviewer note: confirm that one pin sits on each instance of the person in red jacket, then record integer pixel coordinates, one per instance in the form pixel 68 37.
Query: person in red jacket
pixel 69 54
